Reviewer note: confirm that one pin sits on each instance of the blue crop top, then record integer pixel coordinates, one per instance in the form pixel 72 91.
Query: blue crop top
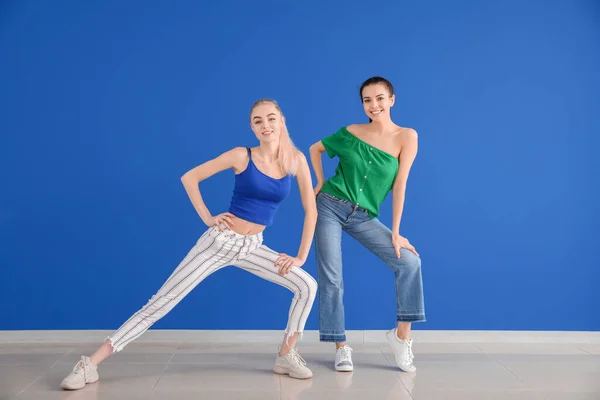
pixel 257 196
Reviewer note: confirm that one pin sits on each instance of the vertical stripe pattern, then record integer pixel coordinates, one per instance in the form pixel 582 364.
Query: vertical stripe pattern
pixel 213 251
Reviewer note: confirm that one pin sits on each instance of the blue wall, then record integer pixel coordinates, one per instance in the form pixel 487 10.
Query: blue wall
pixel 104 106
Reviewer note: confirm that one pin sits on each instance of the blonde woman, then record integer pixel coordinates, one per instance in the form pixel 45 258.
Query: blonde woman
pixel 263 180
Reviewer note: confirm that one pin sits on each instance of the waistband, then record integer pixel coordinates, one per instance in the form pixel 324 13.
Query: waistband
pixel 335 199
pixel 229 234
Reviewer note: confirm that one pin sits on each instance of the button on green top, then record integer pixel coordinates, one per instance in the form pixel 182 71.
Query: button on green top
pixel 364 175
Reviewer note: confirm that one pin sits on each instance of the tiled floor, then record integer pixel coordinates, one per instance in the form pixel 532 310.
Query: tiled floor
pixel 184 371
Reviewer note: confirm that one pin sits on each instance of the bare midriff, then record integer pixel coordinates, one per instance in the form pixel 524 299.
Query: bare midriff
pixel 244 227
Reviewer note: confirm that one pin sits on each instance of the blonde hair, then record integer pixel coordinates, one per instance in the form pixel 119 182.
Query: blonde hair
pixel 287 152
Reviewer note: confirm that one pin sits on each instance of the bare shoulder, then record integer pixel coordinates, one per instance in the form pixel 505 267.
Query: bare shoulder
pixel 301 168
pixel 237 153
pixel 357 128
pixel 300 160
pixel 408 142
pixel 407 135
pixel 299 156
pixel 239 158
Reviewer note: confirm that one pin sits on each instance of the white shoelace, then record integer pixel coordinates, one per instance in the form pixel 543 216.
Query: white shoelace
pixel 345 353
pixel 296 359
pixel 408 348
pixel 80 367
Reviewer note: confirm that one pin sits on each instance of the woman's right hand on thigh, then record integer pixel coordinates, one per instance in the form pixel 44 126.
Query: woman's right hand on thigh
pixel 285 263
pixel 400 242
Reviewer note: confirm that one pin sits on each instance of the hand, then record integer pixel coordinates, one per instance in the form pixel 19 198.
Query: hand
pixel 402 242
pixel 286 263
pixel 318 188
pixel 224 219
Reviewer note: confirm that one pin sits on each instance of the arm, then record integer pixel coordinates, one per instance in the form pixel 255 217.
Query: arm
pixel 406 159
pixel 310 207
pixel 309 204
pixel 316 150
pixel 191 179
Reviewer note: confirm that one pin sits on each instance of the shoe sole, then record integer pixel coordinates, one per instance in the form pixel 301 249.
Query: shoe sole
pixel 390 337
pixel 344 368
pixel 66 387
pixel 281 371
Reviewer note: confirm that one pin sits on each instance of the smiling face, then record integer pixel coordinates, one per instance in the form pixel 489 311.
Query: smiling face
pixel 377 101
pixel 266 122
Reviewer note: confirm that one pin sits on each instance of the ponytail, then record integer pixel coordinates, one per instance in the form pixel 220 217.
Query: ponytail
pixel 287 153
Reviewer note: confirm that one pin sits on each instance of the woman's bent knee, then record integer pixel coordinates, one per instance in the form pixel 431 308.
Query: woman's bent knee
pixel 408 259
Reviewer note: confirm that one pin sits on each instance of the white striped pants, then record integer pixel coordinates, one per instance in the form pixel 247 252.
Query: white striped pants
pixel 213 251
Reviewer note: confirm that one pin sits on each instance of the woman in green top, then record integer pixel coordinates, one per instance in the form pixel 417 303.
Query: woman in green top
pixel 374 159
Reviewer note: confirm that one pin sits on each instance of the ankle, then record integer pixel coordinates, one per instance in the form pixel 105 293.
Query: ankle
pixel 340 345
pixel 284 351
pixel 402 335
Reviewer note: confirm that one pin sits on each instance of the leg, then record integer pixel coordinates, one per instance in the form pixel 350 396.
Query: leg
pixel 403 330
pixel 409 285
pixel 407 269
pixel 102 353
pixel 328 244
pixel 261 262
pixel 210 253
pixel 288 342
pixel 328 247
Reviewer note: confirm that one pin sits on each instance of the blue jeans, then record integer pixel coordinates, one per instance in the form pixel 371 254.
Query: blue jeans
pixel 336 215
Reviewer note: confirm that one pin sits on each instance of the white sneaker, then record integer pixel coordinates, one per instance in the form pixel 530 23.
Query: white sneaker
pixel 84 372
pixel 293 365
pixel 402 351
pixel 343 359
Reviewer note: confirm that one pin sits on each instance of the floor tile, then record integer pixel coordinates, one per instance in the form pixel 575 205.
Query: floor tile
pixel 192 370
